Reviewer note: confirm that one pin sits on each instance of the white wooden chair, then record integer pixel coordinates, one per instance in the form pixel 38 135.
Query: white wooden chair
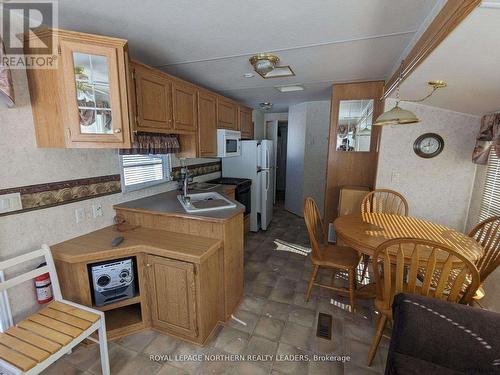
pixel 35 343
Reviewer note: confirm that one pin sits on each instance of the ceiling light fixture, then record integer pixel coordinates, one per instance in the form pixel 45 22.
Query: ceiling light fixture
pixel 265 106
pixel 289 88
pixel 266 65
pixel 263 63
pixel 400 116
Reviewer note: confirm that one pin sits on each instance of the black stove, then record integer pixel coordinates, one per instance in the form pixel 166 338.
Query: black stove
pixel 239 182
pixel 242 192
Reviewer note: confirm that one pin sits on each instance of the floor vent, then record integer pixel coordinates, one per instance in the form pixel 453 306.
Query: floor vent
pixel 324 326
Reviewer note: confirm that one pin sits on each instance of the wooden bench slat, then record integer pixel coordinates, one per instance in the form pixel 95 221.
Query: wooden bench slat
pixel 66 318
pixel 82 314
pixel 17 359
pixel 35 340
pixel 46 332
pixel 55 325
pixel 21 346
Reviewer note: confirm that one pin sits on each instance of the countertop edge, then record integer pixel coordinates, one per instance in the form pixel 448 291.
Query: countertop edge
pixel 178 214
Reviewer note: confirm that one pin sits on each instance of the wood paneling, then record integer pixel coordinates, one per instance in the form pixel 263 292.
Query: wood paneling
pixel 450 16
pixel 184 106
pixel 227 114
pixel 207 124
pixel 173 297
pixel 245 122
pixel 153 93
pixel 351 168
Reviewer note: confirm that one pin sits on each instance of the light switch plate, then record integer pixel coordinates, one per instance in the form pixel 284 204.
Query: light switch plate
pixel 10 202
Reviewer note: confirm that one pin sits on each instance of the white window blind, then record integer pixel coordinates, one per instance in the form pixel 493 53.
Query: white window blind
pixel 490 205
pixel 140 171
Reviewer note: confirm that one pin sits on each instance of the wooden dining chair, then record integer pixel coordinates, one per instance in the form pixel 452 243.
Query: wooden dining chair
pixel 396 266
pixel 326 255
pixel 487 234
pixel 384 201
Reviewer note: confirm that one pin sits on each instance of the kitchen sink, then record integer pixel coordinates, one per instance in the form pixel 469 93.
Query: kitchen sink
pixel 201 202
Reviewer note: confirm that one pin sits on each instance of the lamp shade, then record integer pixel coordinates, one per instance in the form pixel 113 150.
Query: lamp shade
pixel 396 116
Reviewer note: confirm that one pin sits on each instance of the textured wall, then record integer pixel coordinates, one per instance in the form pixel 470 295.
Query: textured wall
pixel 297 117
pixel 21 163
pixel 276 116
pixel 316 151
pixel 307 154
pixel 259 124
pixel 438 189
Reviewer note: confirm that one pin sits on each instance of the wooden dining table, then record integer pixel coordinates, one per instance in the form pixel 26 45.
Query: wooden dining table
pixel 365 232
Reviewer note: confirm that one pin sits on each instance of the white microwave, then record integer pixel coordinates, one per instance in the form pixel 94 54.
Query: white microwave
pixel 228 143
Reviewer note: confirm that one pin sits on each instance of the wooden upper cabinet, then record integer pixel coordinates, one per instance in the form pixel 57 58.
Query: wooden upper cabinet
pixel 245 122
pixel 153 99
pixel 173 295
pixel 207 124
pixel 227 114
pixel 185 109
pixel 82 103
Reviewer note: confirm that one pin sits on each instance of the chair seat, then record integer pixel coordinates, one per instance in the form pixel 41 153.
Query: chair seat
pixel 338 257
pixel 40 335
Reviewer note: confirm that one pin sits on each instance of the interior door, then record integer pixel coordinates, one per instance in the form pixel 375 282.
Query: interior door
pixel 95 101
pixel 347 166
pixel 207 124
pixel 173 296
pixel 153 93
pixel 184 106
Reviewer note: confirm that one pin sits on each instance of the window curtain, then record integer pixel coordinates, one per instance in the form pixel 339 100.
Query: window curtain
pixel 6 85
pixel 152 143
pixel 489 136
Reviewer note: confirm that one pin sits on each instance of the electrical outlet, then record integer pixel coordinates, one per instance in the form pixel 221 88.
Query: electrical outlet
pixel 79 215
pixel 97 210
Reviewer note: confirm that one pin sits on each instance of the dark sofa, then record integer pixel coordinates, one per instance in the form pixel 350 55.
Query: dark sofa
pixel 435 337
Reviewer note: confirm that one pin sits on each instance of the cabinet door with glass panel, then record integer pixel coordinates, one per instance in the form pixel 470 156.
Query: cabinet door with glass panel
pixel 94 78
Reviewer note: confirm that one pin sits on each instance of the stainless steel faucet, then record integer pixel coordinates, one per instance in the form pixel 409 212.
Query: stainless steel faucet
pixel 185 173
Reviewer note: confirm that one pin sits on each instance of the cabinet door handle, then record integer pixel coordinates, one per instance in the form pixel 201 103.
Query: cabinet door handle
pixel 148 265
pixel 117 130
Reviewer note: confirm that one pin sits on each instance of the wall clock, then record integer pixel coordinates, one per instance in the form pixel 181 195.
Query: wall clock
pixel 428 145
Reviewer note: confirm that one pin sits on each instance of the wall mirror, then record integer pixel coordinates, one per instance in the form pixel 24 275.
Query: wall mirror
pixel 354 127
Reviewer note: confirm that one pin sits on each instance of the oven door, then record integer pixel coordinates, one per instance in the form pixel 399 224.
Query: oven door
pixel 243 195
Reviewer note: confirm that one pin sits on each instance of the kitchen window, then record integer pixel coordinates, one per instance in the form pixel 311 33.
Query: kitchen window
pixel 490 205
pixel 141 171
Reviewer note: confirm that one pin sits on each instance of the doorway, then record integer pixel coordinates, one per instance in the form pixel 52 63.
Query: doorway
pixel 281 160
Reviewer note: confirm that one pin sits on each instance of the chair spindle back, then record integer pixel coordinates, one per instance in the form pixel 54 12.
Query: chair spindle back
pixel 384 201
pixel 403 259
pixel 487 233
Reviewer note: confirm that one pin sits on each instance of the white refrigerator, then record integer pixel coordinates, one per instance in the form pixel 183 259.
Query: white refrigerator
pixel 255 162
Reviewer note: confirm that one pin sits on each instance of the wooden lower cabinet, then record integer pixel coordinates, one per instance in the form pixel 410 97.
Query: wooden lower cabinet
pixel 230 231
pixel 185 298
pixel 173 295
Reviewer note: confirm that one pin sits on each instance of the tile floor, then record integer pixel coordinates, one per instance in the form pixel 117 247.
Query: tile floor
pixel 278 323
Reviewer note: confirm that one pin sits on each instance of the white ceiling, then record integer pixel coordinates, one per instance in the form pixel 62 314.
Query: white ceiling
pixel 469 61
pixel 209 41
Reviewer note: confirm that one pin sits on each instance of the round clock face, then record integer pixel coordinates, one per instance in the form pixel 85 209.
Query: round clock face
pixel 428 145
